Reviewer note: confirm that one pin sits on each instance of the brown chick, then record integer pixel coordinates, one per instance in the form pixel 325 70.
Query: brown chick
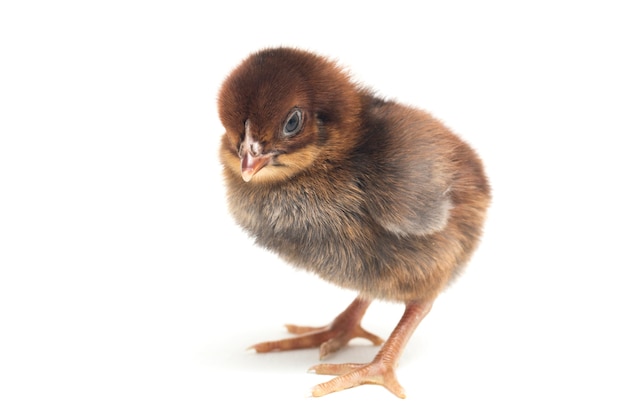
pixel 369 194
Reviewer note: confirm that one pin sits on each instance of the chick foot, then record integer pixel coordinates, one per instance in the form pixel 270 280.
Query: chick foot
pixel 378 372
pixel 331 338
pixel 381 370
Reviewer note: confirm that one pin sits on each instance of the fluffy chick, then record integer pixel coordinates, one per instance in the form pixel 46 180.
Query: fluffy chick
pixel 369 194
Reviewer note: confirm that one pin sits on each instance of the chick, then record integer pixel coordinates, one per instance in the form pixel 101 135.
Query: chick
pixel 369 194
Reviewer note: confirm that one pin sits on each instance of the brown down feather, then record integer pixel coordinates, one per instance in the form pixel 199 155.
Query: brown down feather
pixel 371 195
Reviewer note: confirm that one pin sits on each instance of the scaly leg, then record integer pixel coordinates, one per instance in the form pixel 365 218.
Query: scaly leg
pixel 329 338
pixel 381 370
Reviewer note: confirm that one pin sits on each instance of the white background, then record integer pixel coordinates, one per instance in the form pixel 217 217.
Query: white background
pixel 126 289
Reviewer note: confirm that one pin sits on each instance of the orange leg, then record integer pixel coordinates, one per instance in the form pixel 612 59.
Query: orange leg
pixel 329 338
pixel 381 370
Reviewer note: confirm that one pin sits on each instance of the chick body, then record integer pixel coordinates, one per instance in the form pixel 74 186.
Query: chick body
pixel 369 194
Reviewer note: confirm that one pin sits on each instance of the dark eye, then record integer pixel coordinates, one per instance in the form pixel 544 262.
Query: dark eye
pixel 293 123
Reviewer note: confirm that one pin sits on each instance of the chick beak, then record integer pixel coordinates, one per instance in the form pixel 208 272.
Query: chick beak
pixel 251 164
pixel 251 154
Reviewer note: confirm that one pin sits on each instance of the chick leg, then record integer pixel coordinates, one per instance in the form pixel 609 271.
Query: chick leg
pixel 381 370
pixel 329 338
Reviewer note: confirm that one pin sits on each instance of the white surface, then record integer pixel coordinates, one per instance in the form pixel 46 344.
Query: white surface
pixel 125 288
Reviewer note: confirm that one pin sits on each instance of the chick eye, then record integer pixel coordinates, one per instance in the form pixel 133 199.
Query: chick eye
pixel 293 123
